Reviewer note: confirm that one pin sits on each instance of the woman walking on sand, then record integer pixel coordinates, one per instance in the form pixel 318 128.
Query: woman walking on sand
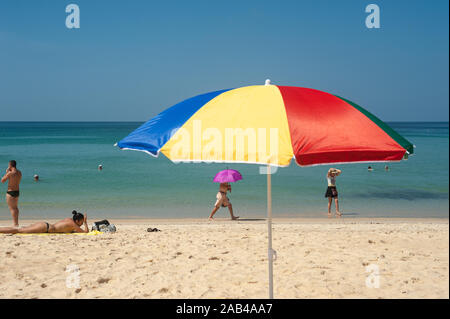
pixel 223 201
pixel 332 191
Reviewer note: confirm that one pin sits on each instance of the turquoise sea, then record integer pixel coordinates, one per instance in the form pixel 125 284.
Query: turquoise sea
pixel 133 184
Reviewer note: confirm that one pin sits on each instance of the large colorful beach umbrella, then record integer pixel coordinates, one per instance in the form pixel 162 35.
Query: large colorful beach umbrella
pixel 269 125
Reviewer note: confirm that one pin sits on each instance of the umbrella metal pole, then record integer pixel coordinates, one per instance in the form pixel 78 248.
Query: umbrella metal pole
pixel 269 229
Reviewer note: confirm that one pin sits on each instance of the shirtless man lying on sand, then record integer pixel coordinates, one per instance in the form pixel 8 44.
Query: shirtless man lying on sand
pixel 67 225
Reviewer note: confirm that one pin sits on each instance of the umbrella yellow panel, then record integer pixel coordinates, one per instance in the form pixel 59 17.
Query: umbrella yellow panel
pixel 247 125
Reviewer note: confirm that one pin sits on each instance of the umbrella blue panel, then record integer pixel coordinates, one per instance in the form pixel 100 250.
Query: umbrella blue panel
pixel 153 134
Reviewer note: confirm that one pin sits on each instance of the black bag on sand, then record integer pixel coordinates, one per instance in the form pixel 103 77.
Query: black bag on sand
pixel 96 225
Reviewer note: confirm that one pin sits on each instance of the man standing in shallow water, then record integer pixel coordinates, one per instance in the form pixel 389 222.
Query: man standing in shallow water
pixel 13 176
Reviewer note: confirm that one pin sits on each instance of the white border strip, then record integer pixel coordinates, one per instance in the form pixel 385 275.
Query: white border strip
pixel 133 149
pixel 357 162
pixel 256 163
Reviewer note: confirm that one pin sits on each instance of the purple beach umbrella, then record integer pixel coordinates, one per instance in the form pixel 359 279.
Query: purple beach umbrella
pixel 227 176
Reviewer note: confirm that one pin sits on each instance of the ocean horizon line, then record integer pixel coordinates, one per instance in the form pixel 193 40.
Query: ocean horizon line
pixel 434 122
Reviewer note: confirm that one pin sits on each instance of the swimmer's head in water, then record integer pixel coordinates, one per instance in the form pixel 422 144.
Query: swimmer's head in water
pixel 78 218
pixel 12 163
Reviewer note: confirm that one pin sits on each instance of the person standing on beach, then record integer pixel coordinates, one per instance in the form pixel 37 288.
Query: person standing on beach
pixel 222 200
pixel 13 176
pixel 332 191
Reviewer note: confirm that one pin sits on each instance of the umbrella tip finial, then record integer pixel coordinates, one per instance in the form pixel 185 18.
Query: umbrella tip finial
pixel 267 82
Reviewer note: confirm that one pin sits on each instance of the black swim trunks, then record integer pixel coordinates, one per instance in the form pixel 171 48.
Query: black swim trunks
pixel 13 193
pixel 331 192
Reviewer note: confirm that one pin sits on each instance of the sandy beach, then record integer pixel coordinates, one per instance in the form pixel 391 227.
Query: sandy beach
pixel 317 258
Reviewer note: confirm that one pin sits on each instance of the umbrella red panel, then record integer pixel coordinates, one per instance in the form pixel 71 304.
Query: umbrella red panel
pixel 326 129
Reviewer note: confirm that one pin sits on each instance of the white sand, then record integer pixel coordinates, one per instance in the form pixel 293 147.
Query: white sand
pixel 317 258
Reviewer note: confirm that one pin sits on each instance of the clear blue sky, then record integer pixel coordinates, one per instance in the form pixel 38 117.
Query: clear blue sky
pixel 132 59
